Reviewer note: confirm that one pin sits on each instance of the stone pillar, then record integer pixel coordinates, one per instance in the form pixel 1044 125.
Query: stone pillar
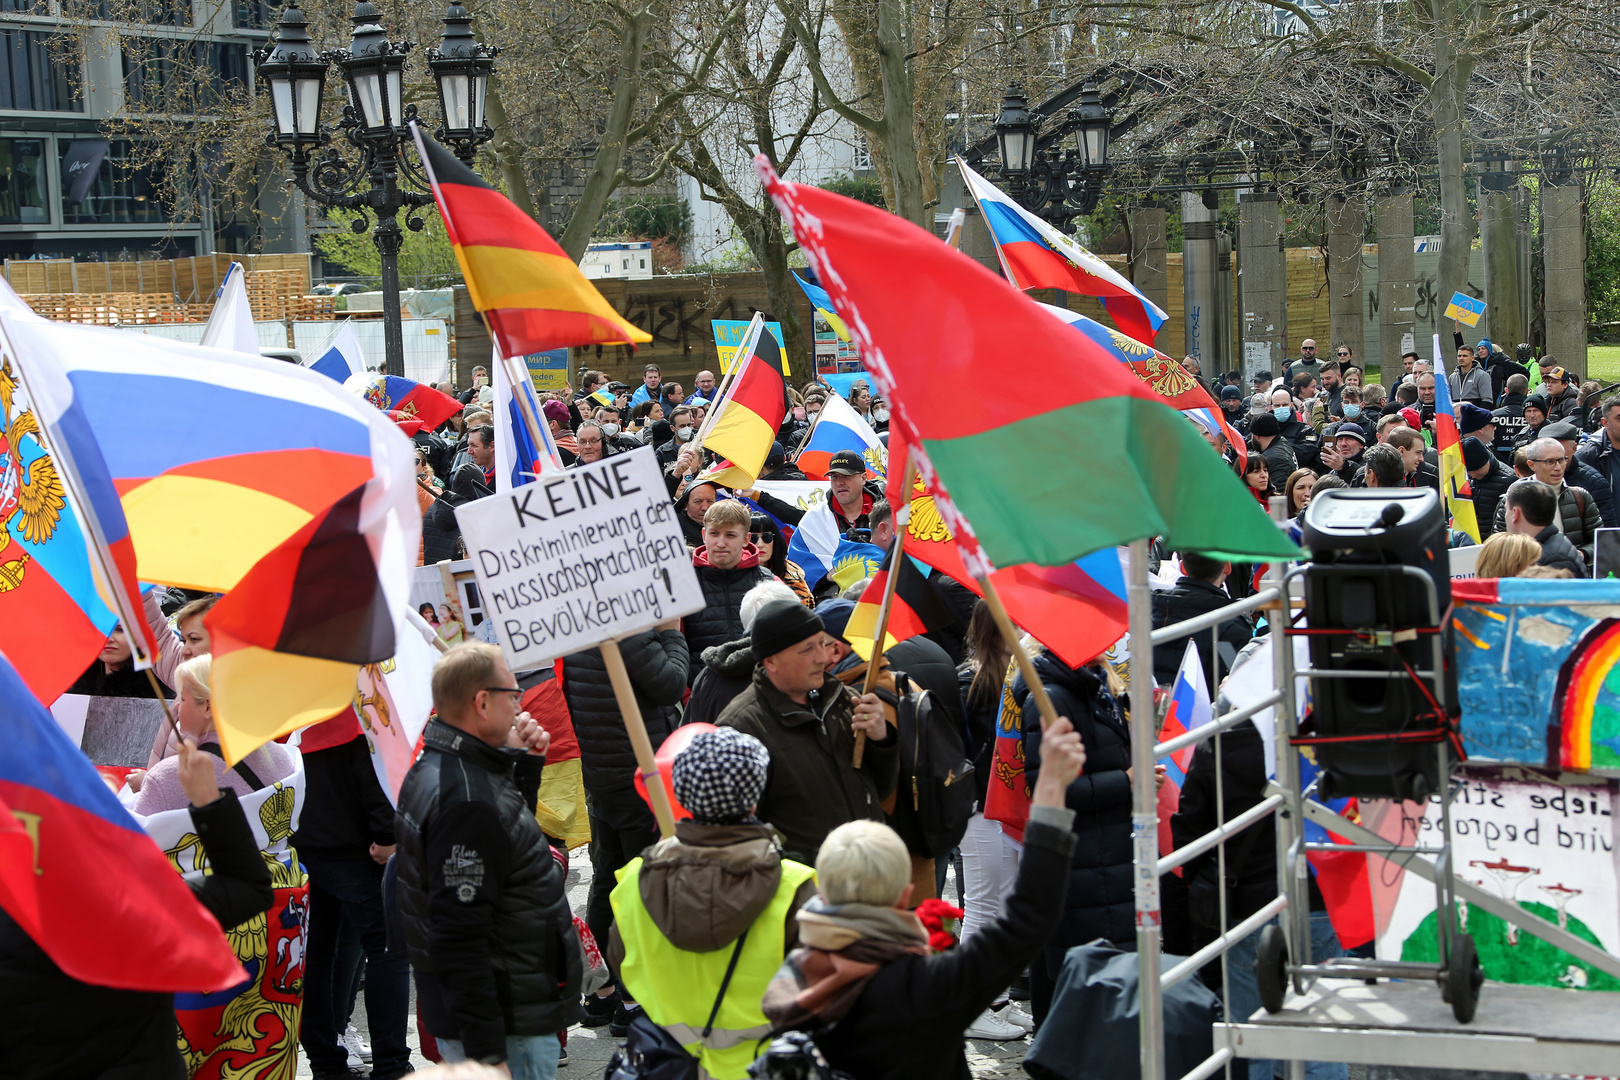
pixel 1198 271
pixel 976 241
pixel 1563 261
pixel 1499 234
pixel 1262 285
pixel 1150 270
pixel 1397 284
pixel 1346 224
pixel 1221 344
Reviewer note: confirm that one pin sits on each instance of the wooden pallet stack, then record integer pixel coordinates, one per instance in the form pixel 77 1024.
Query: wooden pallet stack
pixel 114 309
pixel 271 293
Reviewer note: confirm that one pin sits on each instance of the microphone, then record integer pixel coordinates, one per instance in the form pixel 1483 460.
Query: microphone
pixel 1391 516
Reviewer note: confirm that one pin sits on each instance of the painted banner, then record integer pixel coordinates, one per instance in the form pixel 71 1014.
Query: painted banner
pixel 1545 843
pixel 1536 672
pixel 728 335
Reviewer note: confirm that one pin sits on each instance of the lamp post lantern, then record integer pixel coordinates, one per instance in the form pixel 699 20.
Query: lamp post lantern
pixel 1057 184
pixel 376 123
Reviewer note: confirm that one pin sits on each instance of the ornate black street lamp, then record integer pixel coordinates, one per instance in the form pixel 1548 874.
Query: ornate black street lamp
pixel 1057 184
pixel 384 180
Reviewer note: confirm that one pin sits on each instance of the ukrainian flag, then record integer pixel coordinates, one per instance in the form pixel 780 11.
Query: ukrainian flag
pixel 823 305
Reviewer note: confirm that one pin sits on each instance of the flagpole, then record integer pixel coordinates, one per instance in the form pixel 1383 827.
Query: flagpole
pixel 962 167
pixel 750 338
pixel 530 421
pixel 646 763
pixel 1026 667
pixel 896 553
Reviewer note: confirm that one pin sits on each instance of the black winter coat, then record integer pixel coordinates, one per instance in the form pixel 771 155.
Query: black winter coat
pixel 727 670
pixel 1600 455
pixel 1189 599
pixel 720 620
pixel 979 714
pixel 1101 903
pixel 1558 553
pixel 1488 491
pixel 1579 474
pixel 908 1022
pixel 345 808
pixel 485 910
pixel 657 662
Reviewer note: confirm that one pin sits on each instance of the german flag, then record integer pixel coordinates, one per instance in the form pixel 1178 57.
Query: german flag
pixel 916 608
pixel 289 639
pixel 531 294
pixel 751 412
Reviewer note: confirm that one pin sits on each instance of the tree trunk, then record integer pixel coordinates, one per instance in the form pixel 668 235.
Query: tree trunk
pixel 506 155
pixel 610 152
pixel 1448 95
pixel 782 296
pixel 900 111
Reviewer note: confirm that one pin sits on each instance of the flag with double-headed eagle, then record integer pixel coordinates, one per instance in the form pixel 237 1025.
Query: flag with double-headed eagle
pixel 250 1029
pixel 821 551
pixel 404 399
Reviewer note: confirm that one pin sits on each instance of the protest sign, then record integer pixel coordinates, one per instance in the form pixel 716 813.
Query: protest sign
pixel 592 555
pixel 1464 560
pixel 1465 309
pixel 728 335
pixel 1544 843
pixel 548 370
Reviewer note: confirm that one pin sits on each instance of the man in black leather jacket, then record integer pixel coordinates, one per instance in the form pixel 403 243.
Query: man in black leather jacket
pixel 487 923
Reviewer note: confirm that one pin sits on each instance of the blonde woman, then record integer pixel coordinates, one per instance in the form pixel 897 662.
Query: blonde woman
pixel 193 708
pixel 1507 555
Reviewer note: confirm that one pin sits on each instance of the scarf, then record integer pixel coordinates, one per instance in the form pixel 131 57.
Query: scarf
pixel 845 945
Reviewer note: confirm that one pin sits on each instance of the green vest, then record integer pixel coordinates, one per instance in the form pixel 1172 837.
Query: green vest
pixel 677 988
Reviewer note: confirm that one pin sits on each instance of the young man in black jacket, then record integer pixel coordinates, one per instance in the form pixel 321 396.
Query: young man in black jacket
pixel 487 924
pixel 1198 591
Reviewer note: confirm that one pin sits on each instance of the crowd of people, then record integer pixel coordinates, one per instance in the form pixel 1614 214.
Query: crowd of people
pixel 793 899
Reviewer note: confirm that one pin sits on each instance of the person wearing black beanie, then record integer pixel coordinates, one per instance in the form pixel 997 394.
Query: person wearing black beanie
pixel 809 722
pixel 1488 481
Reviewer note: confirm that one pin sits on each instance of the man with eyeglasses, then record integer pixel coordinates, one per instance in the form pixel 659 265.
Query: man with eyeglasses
pixel 1577 516
pixel 483 903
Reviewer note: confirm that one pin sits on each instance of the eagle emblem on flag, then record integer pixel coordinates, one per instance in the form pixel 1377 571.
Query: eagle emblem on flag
pixel 31 495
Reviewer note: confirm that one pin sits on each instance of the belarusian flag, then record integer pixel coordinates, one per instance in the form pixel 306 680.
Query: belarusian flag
pixel 1097 460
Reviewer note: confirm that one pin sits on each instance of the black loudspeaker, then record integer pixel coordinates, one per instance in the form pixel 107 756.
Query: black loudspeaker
pixel 1377 737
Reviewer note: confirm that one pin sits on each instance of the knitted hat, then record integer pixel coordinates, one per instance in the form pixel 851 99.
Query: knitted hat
pixel 1265 424
pixel 1471 417
pixel 720 776
pixel 835 615
pixel 1352 431
pixel 1475 454
pixel 782 624
pixel 1231 392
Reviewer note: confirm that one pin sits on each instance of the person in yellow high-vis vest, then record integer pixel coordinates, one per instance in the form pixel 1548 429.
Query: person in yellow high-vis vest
pixel 715 899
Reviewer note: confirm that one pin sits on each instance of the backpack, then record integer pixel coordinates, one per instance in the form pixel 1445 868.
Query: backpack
pixel 793 1055
pixel 935 772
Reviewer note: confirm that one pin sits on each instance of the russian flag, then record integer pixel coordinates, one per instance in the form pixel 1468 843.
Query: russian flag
pixel 1189 709
pixel 342 356
pixel 840 427
pixel 67 478
pixel 82 878
pixel 822 551
pixel 518 459
pixel 1037 256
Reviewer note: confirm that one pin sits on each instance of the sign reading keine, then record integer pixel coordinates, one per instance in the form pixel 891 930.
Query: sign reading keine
pixel 580 558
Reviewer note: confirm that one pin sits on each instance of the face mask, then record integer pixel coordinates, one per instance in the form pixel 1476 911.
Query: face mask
pixel 610 430
pixel 1352 411
pixel 811 416
pixel 880 416
pixel 685 434
pixel 1283 413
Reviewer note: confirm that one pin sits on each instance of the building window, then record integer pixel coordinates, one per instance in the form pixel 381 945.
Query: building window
pixel 25 7
pixel 254 14
pixel 181 76
pixel 22 182
pixel 125 192
pixel 37 74
pixel 151 12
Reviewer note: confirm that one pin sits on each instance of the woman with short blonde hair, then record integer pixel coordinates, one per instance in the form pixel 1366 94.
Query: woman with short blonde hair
pixel 1507 555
